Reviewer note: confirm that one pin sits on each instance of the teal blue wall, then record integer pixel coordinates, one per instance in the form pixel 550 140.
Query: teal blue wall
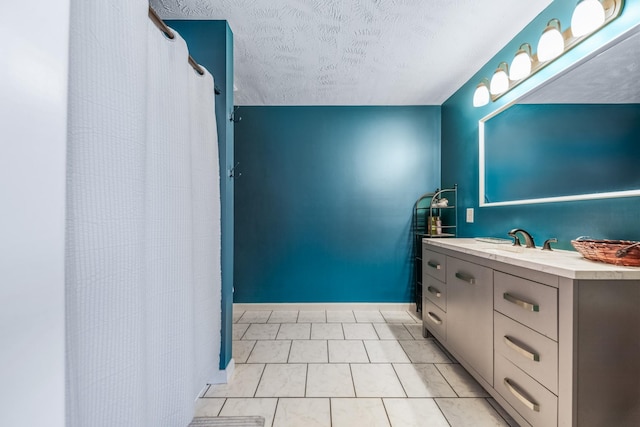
pixel 211 44
pixel 324 202
pixel 608 218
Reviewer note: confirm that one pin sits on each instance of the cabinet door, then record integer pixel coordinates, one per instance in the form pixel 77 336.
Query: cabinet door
pixel 470 314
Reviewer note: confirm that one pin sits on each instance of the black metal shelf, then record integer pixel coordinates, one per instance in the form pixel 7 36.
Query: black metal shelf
pixel 424 209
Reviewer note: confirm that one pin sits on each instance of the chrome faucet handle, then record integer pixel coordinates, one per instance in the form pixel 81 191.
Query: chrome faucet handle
pixel 547 244
pixel 516 239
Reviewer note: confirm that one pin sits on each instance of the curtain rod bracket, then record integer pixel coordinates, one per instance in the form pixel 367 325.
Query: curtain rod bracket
pixel 233 117
pixel 232 172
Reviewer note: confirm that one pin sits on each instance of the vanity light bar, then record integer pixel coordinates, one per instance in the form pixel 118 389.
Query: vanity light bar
pixel 612 9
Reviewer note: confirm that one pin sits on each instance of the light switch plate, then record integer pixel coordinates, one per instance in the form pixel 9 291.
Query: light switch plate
pixel 469 214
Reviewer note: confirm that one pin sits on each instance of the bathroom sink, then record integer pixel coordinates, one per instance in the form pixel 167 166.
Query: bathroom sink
pixel 523 253
pixel 491 246
pixel 503 249
pixel 493 240
pixel 495 245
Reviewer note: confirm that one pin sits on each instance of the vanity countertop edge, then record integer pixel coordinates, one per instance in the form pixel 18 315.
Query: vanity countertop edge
pixel 562 263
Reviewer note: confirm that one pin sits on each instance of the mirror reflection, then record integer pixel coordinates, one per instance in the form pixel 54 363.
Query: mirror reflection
pixel 575 137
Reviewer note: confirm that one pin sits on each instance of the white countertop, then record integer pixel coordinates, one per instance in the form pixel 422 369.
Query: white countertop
pixel 568 264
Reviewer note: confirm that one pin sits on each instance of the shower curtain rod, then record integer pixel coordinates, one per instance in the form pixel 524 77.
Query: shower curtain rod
pixel 167 32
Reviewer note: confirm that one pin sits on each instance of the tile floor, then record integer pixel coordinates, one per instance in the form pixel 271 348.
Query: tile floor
pixel 346 368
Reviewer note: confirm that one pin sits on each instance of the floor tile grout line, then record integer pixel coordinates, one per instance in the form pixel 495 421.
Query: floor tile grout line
pixel 376 331
pixel 409 332
pixel 353 382
pixel 222 407
pixel 289 352
pixel 385 319
pixel 442 412
pixel 385 411
pixel 264 368
pixel 277 332
pixel 445 378
pixel 273 422
pixel 270 314
pixel 404 390
pixel 405 351
pixel 306 379
pixel 330 413
pixel 245 331
pixel 366 351
pixel 251 351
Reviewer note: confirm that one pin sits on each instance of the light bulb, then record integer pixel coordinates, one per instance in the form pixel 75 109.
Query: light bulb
pixel 521 64
pixel 587 17
pixel 551 43
pixel 481 95
pixel 499 80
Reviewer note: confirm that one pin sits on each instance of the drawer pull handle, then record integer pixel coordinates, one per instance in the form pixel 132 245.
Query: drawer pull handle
pixel 466 278
pixel 433 264
pixel 522 351
pixel 520 303
pixel 435 319
pixel 434 291
pixel 529 404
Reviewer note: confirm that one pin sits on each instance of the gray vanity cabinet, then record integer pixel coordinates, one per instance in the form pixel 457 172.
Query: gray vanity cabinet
pixel 552 350
pixel 458 308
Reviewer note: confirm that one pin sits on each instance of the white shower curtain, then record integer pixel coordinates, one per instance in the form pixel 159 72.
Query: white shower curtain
pixel 143 223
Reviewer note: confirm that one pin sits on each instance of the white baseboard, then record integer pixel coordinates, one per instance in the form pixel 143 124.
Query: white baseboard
pixel 362 306
pixel 224 375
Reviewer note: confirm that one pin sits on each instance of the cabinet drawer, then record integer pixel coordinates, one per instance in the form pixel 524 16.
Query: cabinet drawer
pixel 530 303
pixel 530 351
pixel 435 291
pixel 434 319
pixel 535 403
pixel 434 264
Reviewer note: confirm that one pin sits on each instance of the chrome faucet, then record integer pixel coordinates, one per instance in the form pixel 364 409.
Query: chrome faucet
pixel 528 240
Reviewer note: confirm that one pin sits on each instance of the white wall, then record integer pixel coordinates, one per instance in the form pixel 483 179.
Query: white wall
pixel 33 123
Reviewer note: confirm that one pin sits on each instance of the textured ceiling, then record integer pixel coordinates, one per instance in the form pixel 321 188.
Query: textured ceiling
pixel 358 52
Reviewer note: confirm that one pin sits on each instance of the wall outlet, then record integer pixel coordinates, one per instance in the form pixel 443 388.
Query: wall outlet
pixel 469 214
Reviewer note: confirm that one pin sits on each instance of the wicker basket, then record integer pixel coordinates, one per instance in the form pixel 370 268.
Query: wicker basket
pixel 605 251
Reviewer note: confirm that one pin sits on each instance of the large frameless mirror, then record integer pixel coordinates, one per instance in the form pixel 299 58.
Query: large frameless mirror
pixel 575 137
